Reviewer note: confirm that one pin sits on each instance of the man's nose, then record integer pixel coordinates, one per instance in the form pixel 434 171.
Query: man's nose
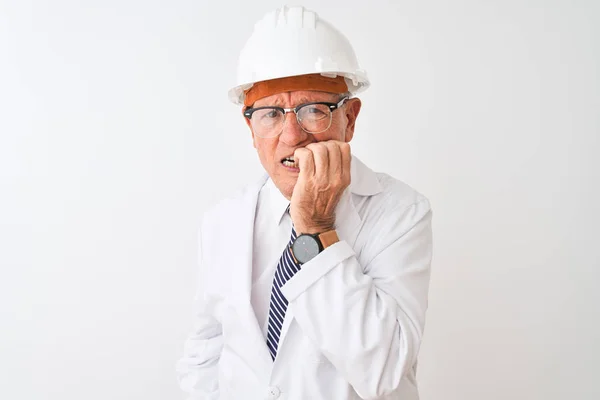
pixel 292 133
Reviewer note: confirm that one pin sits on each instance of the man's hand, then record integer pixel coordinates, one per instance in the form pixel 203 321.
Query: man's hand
pixel 324 174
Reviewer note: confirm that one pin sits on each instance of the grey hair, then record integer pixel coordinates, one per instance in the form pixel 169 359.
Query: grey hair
pixel 345 94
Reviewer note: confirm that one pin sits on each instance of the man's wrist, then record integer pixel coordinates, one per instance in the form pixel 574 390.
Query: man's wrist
pixel 314 229
pixel 306 247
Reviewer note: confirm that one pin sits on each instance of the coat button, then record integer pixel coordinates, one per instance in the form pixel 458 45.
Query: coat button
pixel 273 393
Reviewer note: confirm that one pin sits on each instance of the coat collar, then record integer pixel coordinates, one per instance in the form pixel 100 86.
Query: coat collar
pixel 364 181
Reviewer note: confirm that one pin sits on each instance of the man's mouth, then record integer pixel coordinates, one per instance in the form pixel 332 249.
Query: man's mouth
pixel 289 162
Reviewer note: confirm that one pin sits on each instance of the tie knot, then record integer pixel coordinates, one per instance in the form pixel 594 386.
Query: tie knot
pixel 294 235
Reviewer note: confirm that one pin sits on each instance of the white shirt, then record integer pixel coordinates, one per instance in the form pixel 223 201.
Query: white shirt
pixel 272 230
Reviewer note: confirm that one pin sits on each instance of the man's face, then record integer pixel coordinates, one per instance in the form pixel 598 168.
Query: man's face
pixel 272 151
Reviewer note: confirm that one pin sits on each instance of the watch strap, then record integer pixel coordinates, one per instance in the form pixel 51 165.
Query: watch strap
pixel 328 238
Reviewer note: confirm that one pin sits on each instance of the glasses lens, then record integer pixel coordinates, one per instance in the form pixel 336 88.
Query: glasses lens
pixel 267 122
pixel 314 118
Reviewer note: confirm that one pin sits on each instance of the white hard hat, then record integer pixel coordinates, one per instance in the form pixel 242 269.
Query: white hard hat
pixel 294 41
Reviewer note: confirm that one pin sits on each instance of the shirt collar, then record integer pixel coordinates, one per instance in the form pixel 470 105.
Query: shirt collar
pixel 278 204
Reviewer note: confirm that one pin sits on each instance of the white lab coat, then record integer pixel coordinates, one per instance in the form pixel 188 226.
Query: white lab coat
pixel 356 311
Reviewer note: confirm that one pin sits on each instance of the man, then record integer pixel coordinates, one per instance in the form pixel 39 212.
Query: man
pixel 314 279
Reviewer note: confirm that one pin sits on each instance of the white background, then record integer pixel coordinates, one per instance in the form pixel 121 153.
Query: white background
pixel 116 134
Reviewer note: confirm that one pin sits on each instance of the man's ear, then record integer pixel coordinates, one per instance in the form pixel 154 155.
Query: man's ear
pixel 352 110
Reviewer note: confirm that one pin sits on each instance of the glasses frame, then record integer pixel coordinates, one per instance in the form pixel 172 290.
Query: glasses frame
pixel 332 107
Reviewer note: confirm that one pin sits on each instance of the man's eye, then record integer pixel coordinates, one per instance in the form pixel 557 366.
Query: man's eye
pixel 272 114
pixel 314 110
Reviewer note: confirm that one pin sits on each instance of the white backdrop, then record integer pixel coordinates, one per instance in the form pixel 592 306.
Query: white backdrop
pixel 116 134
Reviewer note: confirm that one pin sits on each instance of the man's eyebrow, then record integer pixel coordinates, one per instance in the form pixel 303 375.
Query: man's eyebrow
pixel 275 103
pixel 306 100
pixel 302 100
pixel 334 100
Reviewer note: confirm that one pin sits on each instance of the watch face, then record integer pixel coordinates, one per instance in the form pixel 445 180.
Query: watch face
pixel 305 248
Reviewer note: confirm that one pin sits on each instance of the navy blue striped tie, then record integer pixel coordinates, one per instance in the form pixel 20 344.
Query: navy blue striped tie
pixel 286 268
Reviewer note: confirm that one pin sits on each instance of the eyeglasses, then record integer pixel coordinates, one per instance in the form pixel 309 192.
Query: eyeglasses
pixel 268 122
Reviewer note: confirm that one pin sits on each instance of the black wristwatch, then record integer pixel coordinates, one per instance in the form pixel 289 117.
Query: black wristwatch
pixel 307 246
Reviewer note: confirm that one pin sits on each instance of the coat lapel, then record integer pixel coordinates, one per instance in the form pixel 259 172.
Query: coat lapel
pixel 241 286
pixel 363 183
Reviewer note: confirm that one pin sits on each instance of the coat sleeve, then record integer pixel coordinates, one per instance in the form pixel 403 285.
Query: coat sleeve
pixel 197 370
pixel 368 320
